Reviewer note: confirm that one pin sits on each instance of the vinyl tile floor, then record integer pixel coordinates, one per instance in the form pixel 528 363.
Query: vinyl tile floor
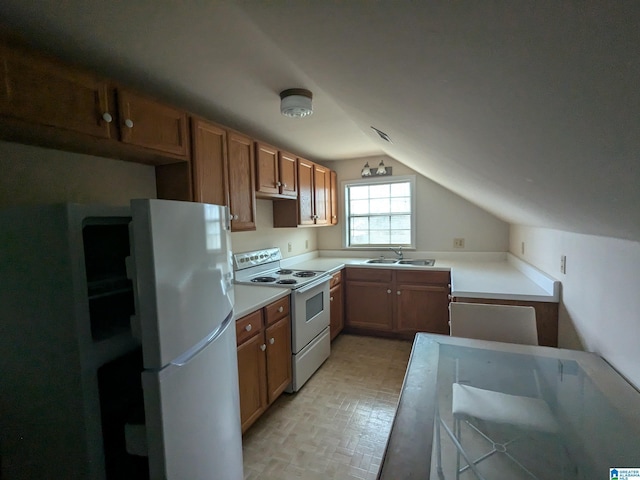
pixel 336 426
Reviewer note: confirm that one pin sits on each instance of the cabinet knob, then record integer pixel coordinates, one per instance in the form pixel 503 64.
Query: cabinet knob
pixel 449 297
pixel 281 309
pixel 248 328
pixel 278 184
pixel 284 185
pixel 106 116
pixel 448 285
pixel 331 299
pixel 334 217
pixel 128 123
pixel 398 292
pixel 263 347
pixel 388 291
pixel 234 217
pixel 272 341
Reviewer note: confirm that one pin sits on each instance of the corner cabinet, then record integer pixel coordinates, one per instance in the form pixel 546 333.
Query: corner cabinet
pixel 396 303
pixel 313 206
pixel 264 358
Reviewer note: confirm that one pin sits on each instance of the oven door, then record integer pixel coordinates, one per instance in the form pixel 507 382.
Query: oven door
pixel 310 312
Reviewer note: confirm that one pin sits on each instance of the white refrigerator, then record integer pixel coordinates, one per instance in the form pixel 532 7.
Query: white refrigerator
pixel 183 285
pixel 118 343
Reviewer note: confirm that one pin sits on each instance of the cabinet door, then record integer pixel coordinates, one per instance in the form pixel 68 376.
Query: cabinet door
pixel 288 174
pixel 322 182
pixel 422 308
pixel 209 162
pixel 336 310
pixel 252 380
pixel 267 169
pixel 306 210
pixel 278 343
pixel 369 306
pixel 147 123
pixel 242 203
pixel 334 198
pixel 41 91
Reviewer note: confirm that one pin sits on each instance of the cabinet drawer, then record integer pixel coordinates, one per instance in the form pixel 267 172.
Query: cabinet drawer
pixel 335 279
pixel 277 310
pixel 369 274
pixel 422 276
pixel 248 326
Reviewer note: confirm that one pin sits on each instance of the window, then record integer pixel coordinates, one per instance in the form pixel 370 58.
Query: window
pixel 380 212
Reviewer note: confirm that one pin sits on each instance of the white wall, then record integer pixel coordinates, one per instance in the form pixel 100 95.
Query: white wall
pixel 600 301
pixel 33 175
pixel 303 240
pixel 442 215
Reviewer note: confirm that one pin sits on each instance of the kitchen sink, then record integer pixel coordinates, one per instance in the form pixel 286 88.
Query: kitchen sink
pixel 421 262
pixel 382 260
pixel 425 262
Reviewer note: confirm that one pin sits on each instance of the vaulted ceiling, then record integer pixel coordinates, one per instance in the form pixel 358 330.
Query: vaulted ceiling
pixel 531 110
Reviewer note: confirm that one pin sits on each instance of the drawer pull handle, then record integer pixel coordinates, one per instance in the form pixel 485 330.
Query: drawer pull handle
pixel 388 291
pixel 398 292
pixel 263 347
pixel 248 328
pixel 331 299
pixel 106 116
pixel 281 309
pixel 128 123
pixel 272 341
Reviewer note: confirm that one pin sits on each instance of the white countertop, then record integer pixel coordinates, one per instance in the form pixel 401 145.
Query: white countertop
pixel 249 298
pixel 483 276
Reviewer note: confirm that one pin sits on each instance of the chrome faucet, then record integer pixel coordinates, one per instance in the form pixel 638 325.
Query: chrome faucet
pixel 397 251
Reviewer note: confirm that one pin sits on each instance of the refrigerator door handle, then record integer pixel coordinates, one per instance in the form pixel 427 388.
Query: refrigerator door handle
pixel 187 356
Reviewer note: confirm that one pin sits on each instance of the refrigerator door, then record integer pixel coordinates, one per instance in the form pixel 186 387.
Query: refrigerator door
pixel 183 277
pixel 193 414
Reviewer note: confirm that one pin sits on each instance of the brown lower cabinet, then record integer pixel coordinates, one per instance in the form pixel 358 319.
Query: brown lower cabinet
pixel 546 316
pixel 264 358
pixel 396 303
pixel 336 309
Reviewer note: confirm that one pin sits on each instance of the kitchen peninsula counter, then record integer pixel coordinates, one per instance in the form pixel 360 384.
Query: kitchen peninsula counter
pixel 487 276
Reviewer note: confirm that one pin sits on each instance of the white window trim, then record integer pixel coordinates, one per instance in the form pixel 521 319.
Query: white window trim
pixel 371 181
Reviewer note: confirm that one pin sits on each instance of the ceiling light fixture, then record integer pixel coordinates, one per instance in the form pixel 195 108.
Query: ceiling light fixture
pixel 296 103
pixel 366 170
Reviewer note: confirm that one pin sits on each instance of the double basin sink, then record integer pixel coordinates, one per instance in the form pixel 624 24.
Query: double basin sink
pixel 420 262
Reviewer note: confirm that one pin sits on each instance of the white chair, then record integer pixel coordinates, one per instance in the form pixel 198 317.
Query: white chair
pixel 500 323
pixel 504 323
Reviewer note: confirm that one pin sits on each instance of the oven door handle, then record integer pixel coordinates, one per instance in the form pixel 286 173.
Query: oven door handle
pixel 315 283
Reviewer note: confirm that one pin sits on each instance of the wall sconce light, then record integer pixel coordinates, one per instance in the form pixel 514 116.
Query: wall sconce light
pixel 381 171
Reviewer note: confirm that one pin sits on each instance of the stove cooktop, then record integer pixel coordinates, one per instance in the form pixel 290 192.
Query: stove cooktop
pixel 262 267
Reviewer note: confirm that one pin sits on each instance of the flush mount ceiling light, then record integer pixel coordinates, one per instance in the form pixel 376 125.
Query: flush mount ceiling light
pixel 296 103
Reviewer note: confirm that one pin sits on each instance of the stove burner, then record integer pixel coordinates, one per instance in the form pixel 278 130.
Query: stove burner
pixel 305 274
pixel 263 279
pixel 284 272
pixel 287 281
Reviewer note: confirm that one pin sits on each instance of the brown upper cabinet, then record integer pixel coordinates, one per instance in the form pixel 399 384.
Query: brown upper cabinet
pixel 209 162
pixel 241 175
pixel 149 124
pixel 275 172
pixel 44 101
pixel 314 198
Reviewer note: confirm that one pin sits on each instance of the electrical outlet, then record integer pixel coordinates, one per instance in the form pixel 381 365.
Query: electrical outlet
pixel 458 243
pixel 563 264
pixel 522 248
pixel 289 247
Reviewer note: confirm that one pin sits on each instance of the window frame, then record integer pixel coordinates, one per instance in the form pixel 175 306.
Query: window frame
pixel 344 206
